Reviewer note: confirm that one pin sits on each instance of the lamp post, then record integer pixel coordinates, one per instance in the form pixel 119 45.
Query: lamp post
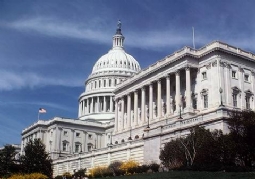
pixel 111 139
pixel 130 138
pixel 221 102
pixel 180 117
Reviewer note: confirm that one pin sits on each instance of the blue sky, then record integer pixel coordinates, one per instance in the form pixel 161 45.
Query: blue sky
pixel 48 48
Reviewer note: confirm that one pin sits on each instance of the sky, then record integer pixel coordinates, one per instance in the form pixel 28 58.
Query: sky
pixel 48 47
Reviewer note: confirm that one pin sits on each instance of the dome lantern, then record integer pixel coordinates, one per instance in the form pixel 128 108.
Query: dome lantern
pixel 118 38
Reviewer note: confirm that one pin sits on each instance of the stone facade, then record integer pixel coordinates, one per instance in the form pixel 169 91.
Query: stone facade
pixel 135 114
pixel 66 137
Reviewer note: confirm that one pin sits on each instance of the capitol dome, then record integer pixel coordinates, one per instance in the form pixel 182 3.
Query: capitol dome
pixel 116 60
pixel 97 102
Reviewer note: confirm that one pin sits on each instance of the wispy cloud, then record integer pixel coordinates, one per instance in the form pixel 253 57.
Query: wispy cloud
pixel 94 31
pixel 18 80
pixel 33 103
pixel 59 28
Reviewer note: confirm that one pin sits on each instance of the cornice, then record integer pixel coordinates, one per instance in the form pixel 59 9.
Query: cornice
pixel 186 52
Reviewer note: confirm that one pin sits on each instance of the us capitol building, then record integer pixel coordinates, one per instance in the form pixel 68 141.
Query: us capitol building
pixel 128 113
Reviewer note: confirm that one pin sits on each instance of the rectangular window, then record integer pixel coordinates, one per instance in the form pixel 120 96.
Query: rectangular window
pixel 235 100
pixel 233 74
pixel 65 146
pixel 90 136
pixel 246 77
pixel 65 133
pixel 77 134
pixel 204 76
pixel 205 101
pixel 247 101
pixel 77 148
pixel 89 147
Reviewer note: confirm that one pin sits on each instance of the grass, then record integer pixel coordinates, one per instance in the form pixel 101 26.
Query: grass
pixel 189 175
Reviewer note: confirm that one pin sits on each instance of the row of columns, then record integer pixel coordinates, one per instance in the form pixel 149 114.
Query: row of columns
pixel 96 104
pixel 126 120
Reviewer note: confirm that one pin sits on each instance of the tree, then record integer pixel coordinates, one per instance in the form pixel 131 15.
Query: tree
pixel 36 159
pixel 224 148
pixel 7 160
pixel 80 173
pixel 242 128
pixel 172 155
pixel 201 149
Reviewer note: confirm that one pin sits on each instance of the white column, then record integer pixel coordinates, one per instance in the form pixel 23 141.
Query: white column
pixel 143 104
pixel 72 140
pixel 104 103
pixel 188 90
pixel 98 104
pixel 92 105
pixel 136 107
pixel 168 102
pixel 178 92
pixel 56 139
pixel 241 81
pixel 159 99
pixel 116 115
pixel 128 110
pixel 228 85
pixel 222 84
pixel 87 106
pixel 151 101
pixel 111 104
pixel 122 112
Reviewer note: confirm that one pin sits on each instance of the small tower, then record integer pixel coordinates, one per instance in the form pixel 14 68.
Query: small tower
pixel 118 38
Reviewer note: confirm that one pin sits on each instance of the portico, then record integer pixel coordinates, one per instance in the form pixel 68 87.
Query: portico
pixel 156 99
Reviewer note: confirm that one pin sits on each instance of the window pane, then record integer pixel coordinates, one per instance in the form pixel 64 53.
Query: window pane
pixel 205 101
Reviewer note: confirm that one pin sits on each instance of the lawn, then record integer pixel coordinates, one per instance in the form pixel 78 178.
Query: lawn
pixel 189 175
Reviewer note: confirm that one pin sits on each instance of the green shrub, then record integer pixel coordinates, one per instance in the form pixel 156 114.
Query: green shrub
pixel 154 167
pixel 115 168
pixel 143 168
pixel 58 177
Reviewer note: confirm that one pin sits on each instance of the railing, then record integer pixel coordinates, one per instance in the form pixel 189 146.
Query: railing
pixel 183 51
